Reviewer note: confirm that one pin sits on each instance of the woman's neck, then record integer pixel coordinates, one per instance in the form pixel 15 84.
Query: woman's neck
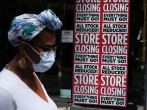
pixel 24 74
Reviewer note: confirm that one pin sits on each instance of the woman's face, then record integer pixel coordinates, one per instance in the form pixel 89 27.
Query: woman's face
pixel 44 41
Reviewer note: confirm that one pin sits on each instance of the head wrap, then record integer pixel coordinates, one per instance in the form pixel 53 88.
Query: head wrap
pixel 26 26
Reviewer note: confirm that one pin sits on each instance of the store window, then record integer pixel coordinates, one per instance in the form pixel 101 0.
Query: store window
pixel 59 78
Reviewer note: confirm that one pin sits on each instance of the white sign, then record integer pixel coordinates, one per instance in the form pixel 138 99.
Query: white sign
pixel 67 36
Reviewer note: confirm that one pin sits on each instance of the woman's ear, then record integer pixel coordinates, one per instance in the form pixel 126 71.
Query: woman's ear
pixel 22 47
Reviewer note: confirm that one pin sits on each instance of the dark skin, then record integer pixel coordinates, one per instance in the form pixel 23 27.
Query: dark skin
pixel 47 39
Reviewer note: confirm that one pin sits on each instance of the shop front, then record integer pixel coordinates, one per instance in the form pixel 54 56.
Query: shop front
pixel 101 60
pixel 109 55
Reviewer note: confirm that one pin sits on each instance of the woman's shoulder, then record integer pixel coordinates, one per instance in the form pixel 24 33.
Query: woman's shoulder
pixel 6 75
pixel 7 101
pixel 7 79
pixel 3 75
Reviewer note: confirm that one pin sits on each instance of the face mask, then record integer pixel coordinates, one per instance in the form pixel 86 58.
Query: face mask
pixel 47 60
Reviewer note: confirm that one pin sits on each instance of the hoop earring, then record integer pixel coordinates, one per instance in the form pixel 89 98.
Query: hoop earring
pixel 22 63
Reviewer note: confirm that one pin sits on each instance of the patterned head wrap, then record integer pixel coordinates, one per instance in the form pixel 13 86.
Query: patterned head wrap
pixel 26 26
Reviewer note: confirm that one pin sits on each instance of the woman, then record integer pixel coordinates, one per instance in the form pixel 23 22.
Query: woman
pixel 34 37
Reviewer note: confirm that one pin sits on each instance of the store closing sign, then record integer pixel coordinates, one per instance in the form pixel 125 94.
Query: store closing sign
pixel 100 63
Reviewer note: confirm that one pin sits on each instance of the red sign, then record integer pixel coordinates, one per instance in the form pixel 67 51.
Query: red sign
pixel 101 40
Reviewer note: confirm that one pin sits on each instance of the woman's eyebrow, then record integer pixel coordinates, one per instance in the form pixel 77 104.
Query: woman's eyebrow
pixel 46 45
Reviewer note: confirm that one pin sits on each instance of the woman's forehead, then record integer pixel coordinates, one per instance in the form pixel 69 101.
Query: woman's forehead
pixel 47 32
pixel 45 37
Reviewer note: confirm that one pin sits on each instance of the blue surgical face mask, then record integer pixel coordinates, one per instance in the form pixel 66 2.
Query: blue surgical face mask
pixel 47 60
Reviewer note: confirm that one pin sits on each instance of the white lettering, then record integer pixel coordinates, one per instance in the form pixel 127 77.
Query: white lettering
pixel 117 81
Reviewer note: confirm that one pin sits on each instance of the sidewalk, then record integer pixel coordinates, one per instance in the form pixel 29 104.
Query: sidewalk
pixel 62 103
pixel 64 108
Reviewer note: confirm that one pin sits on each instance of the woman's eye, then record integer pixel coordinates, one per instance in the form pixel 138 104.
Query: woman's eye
pixel 45 49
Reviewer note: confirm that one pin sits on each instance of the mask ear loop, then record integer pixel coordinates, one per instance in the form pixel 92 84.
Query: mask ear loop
pixel 29 58
pixel 34 50
pixel 32 62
